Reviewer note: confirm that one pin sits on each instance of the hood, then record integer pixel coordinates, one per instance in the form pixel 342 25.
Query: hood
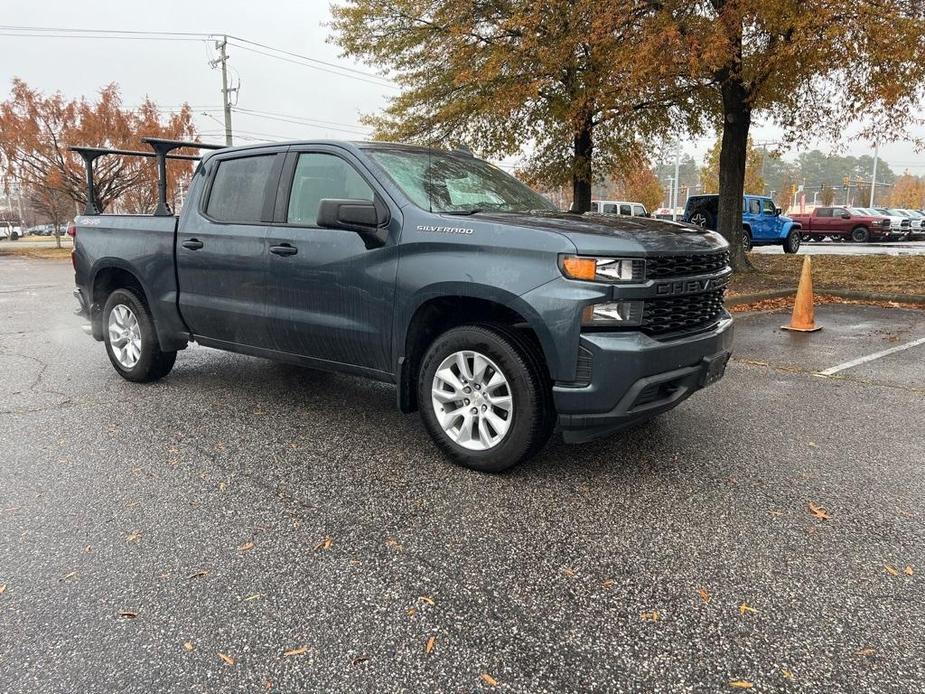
pixel 609 234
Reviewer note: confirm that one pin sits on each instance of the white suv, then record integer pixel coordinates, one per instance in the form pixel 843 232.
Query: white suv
pixel 622 208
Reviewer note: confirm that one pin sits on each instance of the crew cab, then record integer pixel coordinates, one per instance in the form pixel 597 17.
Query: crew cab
pixel 495 315
pixel 624 208
pixel 843 223
pixel 762 222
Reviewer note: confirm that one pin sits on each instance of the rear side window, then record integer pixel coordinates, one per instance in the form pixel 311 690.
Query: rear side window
pixel 625 210
pixel 319 177
pixel 754 206
pixel 610 209
pixel 824 212
pixel 239 188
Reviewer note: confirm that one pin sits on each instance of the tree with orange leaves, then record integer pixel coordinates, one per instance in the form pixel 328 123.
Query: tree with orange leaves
pixel 36 131
pixel 908 192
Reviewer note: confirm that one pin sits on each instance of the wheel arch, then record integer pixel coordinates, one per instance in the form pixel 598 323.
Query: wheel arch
pixel 107 275
pixel 445 306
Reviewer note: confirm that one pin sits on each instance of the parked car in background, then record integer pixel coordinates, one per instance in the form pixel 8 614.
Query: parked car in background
pixel 621 208
pixel 843 224
pixel 900 225
pixel 762 221
pixel 8 231
pixel 917 227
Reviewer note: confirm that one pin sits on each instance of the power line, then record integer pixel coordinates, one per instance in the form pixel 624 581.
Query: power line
pixel 299 120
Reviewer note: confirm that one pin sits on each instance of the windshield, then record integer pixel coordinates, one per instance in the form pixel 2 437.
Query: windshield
pixel 456 183
pixel 858 212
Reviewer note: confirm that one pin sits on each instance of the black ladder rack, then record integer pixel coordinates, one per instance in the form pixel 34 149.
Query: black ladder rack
pixel 162 152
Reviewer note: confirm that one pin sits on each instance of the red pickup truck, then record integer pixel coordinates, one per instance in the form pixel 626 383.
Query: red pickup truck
pixel 842 224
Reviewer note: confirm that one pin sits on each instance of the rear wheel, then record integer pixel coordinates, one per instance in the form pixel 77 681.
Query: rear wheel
pixel 792 242
pixel 860 235
pixel 484 397
pixel 131 341
pixel 746 240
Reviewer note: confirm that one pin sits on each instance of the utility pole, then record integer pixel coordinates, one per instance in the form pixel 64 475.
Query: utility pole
pixel 226 93
pixel 677 181
pixel 873 181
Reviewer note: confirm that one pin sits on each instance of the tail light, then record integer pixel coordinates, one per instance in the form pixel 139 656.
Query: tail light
pixel 72 232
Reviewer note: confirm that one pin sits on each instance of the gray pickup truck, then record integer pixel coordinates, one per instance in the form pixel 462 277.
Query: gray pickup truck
pixel 497 316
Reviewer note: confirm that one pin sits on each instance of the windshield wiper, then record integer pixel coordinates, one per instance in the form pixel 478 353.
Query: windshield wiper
pixel 474 210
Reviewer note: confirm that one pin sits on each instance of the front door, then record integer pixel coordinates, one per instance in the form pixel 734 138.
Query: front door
pixel 222 254
pixel 331 291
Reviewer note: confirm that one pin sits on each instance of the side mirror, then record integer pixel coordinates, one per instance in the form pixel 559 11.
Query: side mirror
pixel 361 216
pixel 778 211
pixel 845 215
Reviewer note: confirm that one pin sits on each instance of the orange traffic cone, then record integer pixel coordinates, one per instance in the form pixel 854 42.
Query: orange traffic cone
pixel 802 319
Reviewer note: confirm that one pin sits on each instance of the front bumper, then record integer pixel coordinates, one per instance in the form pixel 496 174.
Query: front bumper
pixel 635 377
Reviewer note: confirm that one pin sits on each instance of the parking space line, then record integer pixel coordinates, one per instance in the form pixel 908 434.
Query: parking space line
pixel 871 357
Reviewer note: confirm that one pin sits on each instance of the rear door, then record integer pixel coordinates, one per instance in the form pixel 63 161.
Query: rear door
pixel 331 291
pixel 222 249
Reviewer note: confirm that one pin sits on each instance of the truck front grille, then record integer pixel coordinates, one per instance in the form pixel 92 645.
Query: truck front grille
pixel 682 313
pixel 661 267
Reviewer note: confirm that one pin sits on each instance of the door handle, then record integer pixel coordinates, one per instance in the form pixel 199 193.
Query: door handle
pixel 284 249
pixel 193 244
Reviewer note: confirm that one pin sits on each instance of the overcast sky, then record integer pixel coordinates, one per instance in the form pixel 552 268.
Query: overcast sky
pixel 174 72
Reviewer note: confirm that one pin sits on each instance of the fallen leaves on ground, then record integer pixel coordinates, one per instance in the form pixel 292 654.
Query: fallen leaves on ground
pixel 426 598
pixel 70 575
pixel 227 659
pixel 786 673
pixel 411 611
pixel 890 570
pixel 741 684
pixel 126 614
pixel 360 659
pixel 295 651
pixel 431 642
pixel 198 574
pixel 908 570
pixel 325 544
pixel 394 544
pixel 571 573
pixel 704 595
pixel 2 588
pixel 745 607
pixel 608 584
pixel 246 547
pixel 652 616
pixel 818 511
pixel 188 646
pixel 133 536
pixel 867 652
pixel 250 597
pixel 489 680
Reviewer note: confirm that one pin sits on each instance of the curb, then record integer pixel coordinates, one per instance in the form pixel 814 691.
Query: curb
pixel 841 293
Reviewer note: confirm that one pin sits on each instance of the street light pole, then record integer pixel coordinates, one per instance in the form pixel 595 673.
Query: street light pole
pixel 873 180
pixel 677 169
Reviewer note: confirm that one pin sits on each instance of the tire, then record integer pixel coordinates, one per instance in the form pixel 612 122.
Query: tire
pixel 144 361
pixel 14 236
pixel 792 242
pixel 860 235
pixel 504 438
pixel 746 240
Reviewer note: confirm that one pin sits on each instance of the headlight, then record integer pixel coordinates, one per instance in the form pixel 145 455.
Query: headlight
pixel 593 269
pixel 613 313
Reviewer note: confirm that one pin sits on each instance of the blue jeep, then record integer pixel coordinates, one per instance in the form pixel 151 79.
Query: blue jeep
pixel 762 222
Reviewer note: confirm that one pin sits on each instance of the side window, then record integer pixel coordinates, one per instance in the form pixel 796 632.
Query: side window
pixel 768 206
pixel 625 210
pixel 638 210
pixel 824 212
pixel 754 206
pixel 839 211
pixel 318 177
pixel 610 209
pixel 238 189
pixel 594 207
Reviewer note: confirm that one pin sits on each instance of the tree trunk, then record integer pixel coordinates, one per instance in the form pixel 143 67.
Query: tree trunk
pixel 57 235
pixel 583 147
pixel 737 118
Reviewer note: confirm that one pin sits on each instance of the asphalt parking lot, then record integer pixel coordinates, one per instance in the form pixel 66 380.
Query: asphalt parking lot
pixel 245 525
pixel 841 248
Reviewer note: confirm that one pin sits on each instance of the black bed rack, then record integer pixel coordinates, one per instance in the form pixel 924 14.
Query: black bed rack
pixel 162 152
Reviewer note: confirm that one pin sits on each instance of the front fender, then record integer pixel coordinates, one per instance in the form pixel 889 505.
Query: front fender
pixel 787 227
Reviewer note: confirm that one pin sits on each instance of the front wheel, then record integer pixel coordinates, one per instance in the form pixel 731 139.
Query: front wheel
pixel 484 397
pixel 792 242
pixel 131 341
pixel 859 235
